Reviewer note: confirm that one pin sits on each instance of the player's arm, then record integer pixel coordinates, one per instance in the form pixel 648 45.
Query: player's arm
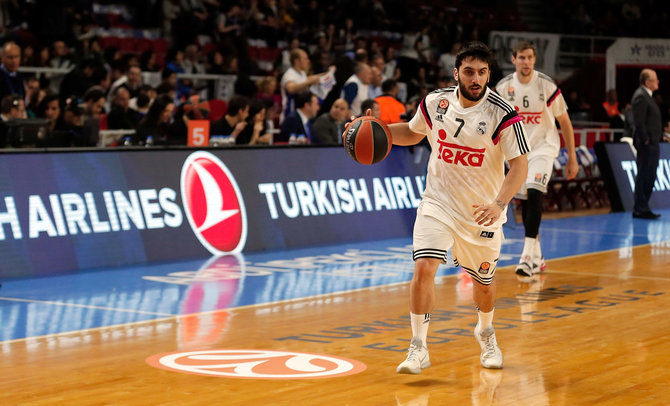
pixel 402 135
pixel 572 167
pixel 487 214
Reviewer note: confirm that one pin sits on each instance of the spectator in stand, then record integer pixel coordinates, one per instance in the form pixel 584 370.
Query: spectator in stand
pixel 9 110
pixel 267 92
pixel 327 129
pixel 297 123
pixel 578 108
pixel 355 89
pixel 174 61
pixel 61 59
pixel 376 79
pixel 147 94
pixel 234 121
pixel 285 61
pixel 255 132
pixel 93 103
pixel 447 60
pixel 611 108
pixel 377 61
pixel 372 106
pixel 215 63
pixel 122 117
pixel 296 80
pixel 148 61
pixel 156 122
pixel 391 110
pixel 50 108
pixel 11 81
pixel 131 80
pixel 34 95
pixel 78 79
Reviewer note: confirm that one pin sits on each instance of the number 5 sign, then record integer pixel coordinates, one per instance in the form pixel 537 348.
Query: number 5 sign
pixel 198 133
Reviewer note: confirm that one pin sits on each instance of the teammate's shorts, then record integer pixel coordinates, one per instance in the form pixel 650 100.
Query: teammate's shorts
pixel 434 237
pixel 540 168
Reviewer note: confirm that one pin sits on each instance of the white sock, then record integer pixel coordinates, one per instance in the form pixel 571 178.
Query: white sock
pixel 537 253
pixel 528 247
pixel 485 319
pixel 420 326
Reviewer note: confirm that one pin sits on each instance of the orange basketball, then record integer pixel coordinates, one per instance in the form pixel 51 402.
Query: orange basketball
pixel 367 140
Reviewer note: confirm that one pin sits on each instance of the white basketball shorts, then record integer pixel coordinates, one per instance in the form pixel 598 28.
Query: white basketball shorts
pixel 433 237
pixel 540 168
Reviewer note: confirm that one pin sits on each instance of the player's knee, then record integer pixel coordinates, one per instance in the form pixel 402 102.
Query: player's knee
pixel 425 269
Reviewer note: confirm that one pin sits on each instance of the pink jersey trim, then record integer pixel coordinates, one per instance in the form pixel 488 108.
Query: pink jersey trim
pixel 506 124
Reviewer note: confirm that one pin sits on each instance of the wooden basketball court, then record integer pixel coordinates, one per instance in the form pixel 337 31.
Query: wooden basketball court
pixel 590 330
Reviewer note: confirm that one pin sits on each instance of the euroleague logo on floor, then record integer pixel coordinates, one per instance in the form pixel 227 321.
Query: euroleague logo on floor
pixel 256 364
pixel 213 203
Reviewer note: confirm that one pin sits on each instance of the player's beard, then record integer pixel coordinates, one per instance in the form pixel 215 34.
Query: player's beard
pixel 468 95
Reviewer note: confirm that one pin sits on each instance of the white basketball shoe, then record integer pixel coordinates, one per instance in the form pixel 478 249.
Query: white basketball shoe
pixel 417 358
pixel 491 356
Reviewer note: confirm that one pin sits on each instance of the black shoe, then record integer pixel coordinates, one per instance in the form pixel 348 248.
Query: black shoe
pixel 649 215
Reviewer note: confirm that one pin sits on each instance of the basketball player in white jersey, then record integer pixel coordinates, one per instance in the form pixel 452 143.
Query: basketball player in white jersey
pixel 472 131
pixel 539 103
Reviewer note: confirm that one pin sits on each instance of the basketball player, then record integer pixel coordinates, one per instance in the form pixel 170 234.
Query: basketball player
pixel 472 131
pixel 539 103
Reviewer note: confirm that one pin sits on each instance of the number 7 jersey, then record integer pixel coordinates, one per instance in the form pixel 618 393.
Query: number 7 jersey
pixel 469 149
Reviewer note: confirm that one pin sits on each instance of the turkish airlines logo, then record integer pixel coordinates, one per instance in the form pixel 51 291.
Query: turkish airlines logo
pixel 256 364
pixel 213 203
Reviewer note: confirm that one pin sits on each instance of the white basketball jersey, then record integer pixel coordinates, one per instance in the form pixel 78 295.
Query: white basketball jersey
pixel 469 149
pixel 538 102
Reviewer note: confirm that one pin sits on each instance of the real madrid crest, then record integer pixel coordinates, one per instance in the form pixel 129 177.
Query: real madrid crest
pixel 442 106
pixel 481 128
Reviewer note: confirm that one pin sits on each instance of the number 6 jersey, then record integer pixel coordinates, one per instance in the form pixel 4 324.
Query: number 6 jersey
pixel 469 149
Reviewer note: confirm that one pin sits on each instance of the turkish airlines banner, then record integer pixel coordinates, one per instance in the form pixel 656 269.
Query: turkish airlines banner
pixel 619 169
pixel 66 211
pixel 546 46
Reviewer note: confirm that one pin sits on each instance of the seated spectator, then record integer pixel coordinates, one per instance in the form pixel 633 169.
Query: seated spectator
pixel 148 61
pixel 147 94
pixel 50 108
pixel 93 103
pixel 178 129
pixel 156 122
pixel 11 81
pixel 9 110
pixel 79 79
pixel 372 105
pixel 122 117
pixel 255 131
pixel 355 89
pixel 61 58
pixel 296 80
pixel 391 109
pixel 327 129
pixel 267 92
pixel 577 107
pixel 131 80
pixel 233 122
pixel 375 85
pixel 297 123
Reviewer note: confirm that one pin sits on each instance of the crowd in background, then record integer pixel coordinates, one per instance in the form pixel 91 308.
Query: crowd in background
pixel 333 60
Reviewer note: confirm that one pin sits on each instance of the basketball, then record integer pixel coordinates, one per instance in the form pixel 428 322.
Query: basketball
pixel 367 140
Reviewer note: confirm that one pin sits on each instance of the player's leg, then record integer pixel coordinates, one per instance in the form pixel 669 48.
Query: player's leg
pixel 431 241
pixel 539 173
pixel 479 261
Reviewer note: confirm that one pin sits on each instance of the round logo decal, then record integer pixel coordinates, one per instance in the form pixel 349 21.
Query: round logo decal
pixel 256 364
pixel 213 203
